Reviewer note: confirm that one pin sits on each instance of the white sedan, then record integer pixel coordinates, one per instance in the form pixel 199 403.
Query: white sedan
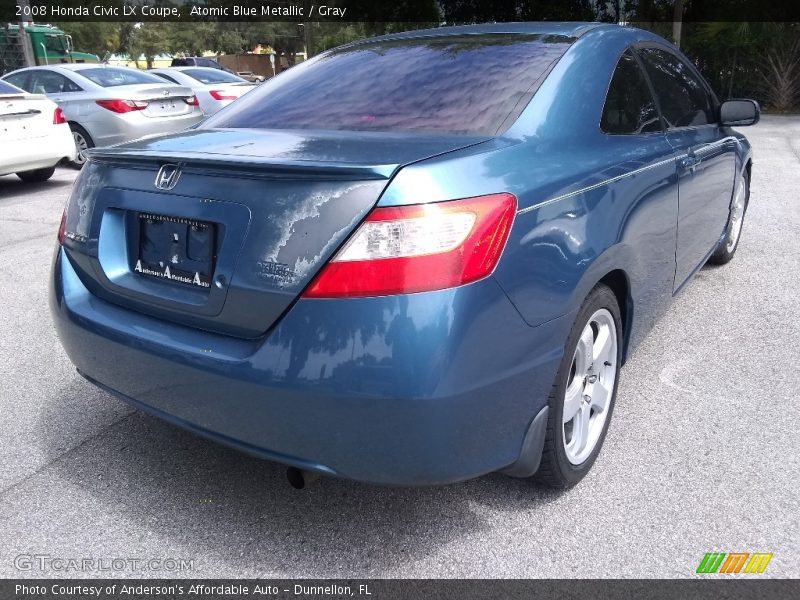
pixel 214 88
pixel 35 135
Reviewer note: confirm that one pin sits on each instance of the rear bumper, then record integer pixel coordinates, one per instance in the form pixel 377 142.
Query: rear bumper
pixel 109 129
pixel 39 153
pixel 412 390
pixel 210 105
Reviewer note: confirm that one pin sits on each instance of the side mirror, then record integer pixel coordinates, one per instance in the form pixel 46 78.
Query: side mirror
pixel 739 112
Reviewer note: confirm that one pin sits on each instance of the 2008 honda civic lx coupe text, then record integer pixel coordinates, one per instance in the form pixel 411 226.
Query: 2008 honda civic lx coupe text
pixel 413 259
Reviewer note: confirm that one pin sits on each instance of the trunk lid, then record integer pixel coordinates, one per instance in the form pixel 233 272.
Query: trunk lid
pixel 166 100
pixel 25 116
pixel 231 89
pixel 268 207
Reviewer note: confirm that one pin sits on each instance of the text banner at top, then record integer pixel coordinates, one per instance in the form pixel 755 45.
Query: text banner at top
pixel 420 11
pixel 44 11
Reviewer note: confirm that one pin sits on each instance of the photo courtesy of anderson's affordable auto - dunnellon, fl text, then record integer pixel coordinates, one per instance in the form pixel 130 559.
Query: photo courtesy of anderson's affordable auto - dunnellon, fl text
pixel 438 299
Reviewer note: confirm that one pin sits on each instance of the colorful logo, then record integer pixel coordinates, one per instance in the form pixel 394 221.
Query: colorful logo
pixel 734 562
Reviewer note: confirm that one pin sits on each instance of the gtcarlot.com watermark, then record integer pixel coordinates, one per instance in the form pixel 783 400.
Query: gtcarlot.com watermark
pixel 47 562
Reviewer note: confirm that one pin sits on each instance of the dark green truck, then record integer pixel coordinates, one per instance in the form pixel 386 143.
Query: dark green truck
pixel 48 45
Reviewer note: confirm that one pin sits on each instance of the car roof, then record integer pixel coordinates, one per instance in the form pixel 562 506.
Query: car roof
pixel 571 29
pixel 81 66
pixel 59 68
pixel 186 68
pixel 74 68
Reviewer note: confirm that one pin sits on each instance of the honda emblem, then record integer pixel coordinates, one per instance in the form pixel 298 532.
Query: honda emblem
pixel 167 177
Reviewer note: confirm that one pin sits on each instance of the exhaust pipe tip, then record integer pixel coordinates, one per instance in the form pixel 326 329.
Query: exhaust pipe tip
pixel 299 479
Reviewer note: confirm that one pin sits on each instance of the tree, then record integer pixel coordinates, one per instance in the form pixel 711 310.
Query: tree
pixel 330 35
pixel 191 38
pixel 748 60
pixel 127 34
pixel 780 77
pixel 150 39
pixel 284 37
pixel 95 37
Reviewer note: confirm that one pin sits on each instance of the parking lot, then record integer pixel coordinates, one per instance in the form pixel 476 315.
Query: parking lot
pixel 703 453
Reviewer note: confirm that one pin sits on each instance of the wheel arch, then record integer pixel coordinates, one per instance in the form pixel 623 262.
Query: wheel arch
pixel 73 123
pixel 613 268
pixel 619 283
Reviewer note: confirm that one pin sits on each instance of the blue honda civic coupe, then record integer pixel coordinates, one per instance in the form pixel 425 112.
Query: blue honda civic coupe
pixel 413 259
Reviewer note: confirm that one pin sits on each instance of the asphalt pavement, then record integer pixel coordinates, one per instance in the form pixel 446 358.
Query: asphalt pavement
pixel 703 453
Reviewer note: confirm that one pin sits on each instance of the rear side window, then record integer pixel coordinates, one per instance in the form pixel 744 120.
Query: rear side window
pixel 7 88
pixel 20 80
pixel 451 84
pixel 49 82
pixel 683 98
pixel 629 106
pixel 110 76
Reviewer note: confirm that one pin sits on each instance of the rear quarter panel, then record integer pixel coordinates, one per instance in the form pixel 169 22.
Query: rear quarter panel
pixel 588 203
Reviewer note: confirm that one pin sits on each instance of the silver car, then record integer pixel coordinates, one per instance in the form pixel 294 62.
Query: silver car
pixel 214 88
pixel 108 105
pixel 252 77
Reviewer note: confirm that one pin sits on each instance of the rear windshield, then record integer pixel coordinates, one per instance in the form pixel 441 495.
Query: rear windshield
pixel 212 76
pixel 7 88
pixel 110 76
pixel 475 84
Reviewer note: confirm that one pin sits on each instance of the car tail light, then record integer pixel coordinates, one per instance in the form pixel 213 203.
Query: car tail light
pixel 419 248
pixel 221 95
pixel 123 106
pixel 62 228
pixel 192 101
pixel 58 117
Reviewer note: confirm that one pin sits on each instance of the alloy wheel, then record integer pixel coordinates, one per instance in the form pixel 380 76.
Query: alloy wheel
pixel 737 216
pixel 81 146
pixel 590 386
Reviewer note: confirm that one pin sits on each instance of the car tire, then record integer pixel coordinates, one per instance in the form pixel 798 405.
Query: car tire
pixel 83 141
pixel 37 175
pixel 733 232
pixel 584 391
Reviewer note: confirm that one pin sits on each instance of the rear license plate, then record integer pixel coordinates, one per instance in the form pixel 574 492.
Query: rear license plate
pixel 176 248
pixel 168 107
pixel 19 126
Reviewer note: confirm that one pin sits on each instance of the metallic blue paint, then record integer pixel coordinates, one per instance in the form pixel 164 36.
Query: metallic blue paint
pixel 416 389
pixel 386 390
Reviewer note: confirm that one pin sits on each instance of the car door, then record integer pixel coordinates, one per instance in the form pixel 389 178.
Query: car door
pixel 705 155
pixel 632 127
pixel 60 89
